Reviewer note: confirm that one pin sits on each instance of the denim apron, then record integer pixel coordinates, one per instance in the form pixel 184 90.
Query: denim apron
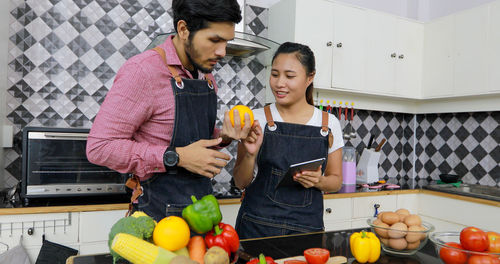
pixel 166 194
pixel 269 210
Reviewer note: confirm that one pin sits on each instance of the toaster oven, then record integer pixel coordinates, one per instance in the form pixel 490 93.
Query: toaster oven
pixel 55 164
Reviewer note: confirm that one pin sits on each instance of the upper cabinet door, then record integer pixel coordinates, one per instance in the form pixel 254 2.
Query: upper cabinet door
pixel 348 47
pixel 493 50
pixel 380 53
pixel 470 71
pixel 314 27
pixel 409 45
pixel 438 58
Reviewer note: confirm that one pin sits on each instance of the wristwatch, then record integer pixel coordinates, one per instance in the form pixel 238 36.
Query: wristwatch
pixel 170 158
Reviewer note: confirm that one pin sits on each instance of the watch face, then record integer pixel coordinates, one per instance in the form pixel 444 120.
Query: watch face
pixel 171 158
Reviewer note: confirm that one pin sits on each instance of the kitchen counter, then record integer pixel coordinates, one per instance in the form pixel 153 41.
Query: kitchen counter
pixel 347 191
pixel 288 246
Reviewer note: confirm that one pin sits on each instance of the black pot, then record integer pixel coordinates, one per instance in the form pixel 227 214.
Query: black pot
pixel 448 178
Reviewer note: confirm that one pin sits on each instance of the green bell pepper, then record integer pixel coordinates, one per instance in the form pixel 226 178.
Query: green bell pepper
pixel 203 214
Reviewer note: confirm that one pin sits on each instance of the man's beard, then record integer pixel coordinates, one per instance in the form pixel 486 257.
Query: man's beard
pixel 189 49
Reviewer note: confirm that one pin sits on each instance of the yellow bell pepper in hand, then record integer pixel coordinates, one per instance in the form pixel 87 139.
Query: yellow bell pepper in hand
pixel 365 246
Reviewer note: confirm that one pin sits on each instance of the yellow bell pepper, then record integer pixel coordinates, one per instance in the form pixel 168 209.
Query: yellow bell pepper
pixel 365 246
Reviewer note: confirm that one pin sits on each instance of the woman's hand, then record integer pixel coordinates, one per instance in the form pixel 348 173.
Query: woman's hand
pixel 254 139
pixel 308 179
pixel 236 132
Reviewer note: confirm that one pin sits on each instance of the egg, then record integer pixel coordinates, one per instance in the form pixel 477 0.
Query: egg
pixel 377 222
pixel 414 234
pixel 402 214
pixel 398 243
pixel 412 220
pixel 390 218
pixel 423 235
pixel 382 232
pixel 398 230
pixel 379 215
pixel 413 245
pixel 384 241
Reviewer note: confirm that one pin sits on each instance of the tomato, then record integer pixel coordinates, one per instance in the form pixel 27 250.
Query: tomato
pixel 493 242
pixel 316 255
pixel 294 261
pixel 483 259
pixel 452 256
pixel 473 238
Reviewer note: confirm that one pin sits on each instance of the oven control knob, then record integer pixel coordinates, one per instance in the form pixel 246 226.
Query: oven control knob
pixel 89 189
pixel 68 190
pixel 57 189
pixel 79 189
pixel 110 189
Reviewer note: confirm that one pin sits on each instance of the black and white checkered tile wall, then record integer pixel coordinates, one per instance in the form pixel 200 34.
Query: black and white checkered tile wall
pixel 63 55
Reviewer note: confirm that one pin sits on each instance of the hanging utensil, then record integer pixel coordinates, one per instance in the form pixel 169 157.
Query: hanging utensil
pixel 353 133
pixel 377 149
pixel 347 134
pixel 369 146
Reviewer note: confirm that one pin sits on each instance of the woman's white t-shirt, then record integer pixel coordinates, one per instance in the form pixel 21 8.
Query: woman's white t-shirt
pixel 333 123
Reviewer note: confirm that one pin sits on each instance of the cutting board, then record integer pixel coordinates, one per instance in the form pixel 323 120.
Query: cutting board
pixel 332 260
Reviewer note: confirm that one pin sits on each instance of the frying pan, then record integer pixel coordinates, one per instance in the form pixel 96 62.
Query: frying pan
pixel 448 178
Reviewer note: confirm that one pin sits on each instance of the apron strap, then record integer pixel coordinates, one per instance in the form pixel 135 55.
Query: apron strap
pixel 324 128
pixel 173 70
pixel 269 116
pixel 135 184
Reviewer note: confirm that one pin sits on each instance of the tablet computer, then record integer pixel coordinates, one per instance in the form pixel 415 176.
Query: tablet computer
pixel 310 165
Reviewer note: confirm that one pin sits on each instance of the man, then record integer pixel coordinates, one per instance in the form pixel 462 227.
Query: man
pixel 158 119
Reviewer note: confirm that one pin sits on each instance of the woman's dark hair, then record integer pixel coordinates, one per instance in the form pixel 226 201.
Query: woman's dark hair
pixel 198 13
pixel 306 57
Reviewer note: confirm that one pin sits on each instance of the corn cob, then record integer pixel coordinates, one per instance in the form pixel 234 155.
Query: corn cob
pixel 138 251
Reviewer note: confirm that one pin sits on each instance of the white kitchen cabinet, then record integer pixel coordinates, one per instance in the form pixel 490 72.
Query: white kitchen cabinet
pixel 493 50
pixel 95 226
pixel 348 48
pixel 471 52
pixel 61 228
pixel 337 213
pixel 364 207
pixel 458 213
pixel 438 58
pixel 229 213
pixel 394 50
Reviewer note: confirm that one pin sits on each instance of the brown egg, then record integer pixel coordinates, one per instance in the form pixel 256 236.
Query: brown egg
pixel 398 230
pixel 377 222
pixel 402 214
pixel 398 243
pixel 382 232
pixel 390 218
pixel 384 241
pixel 413 245
pixel 379 215
pixel 414 234
pixel 423 235
pixel 413 220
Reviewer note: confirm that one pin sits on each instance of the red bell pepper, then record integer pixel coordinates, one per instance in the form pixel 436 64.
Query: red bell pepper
pixel 224 236
pixel 262 260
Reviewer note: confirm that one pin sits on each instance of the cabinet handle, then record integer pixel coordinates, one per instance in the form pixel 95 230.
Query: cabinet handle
pixel 329 44
pixel 393 55
pixel 339 45
pixel 328 210
pixel 401 56
pixel 30 231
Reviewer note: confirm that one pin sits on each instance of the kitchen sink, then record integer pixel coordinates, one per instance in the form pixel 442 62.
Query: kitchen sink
pixel 474 190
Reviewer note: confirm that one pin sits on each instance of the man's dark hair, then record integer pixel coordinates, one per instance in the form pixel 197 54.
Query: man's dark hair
pixel 198 13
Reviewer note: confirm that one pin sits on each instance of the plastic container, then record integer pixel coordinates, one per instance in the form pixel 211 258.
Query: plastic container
pixel 349 165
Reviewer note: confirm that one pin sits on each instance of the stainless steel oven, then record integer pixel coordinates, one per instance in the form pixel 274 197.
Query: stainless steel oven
pixel 55 165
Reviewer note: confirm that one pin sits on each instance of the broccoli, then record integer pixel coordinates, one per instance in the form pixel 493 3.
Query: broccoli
pixel 141 227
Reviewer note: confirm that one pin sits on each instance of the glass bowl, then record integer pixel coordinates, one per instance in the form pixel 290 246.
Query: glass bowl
pixel 393 246
pixel 439 239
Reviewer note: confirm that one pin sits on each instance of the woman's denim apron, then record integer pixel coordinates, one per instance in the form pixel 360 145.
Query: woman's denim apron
pixel 168 193
pixel 269 210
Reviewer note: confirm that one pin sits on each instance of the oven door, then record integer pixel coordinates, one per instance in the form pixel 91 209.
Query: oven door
pixel 55 164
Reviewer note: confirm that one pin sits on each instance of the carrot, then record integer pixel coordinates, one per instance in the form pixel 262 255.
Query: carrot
pixel 197 248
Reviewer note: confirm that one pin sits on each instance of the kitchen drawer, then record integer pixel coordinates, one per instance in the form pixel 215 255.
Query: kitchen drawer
pixel 360 223
pixel 409 202
pixel 94 248
pixel 61 228
pixel 339 225
pixel 229 213
pixel 95 226
pixel 363 207
pixel 337 209
pixel 442 225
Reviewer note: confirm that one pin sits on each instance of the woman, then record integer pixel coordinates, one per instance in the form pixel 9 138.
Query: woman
pixel 294 131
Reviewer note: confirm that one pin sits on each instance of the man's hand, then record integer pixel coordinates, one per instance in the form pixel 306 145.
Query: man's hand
pixel 229 132
pixel 308 179
pixel 199 158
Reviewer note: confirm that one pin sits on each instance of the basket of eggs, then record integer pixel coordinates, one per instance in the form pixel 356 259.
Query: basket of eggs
pixel 400 232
